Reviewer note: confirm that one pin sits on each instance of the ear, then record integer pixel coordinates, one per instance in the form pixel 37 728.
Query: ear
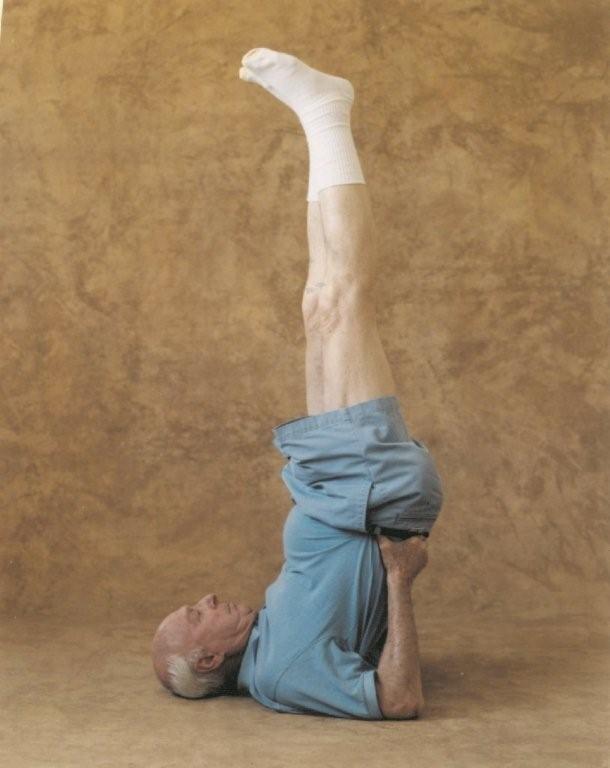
pixel 206 662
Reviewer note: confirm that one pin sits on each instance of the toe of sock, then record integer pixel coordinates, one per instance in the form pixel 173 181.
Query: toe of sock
pixel 248 77
pixel 252 55
pixel 260 58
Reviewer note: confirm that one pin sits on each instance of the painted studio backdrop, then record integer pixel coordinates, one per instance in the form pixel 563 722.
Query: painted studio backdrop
pixel 153 253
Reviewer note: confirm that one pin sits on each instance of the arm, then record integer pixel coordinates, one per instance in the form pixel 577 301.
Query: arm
pixel 399 686
pixel 399 677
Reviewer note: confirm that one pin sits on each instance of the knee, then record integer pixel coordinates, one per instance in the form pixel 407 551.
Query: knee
pixel 326 305
pixel 309 305
pixel 320 313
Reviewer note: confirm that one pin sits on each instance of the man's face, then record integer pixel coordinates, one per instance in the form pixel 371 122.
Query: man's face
pixel 221 628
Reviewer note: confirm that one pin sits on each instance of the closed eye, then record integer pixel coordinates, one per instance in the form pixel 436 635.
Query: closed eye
pixel 193 614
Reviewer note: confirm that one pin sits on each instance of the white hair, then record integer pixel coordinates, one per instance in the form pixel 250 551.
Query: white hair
pixel 185 681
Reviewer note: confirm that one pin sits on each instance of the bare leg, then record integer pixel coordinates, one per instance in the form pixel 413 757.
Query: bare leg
pixel 355 366
pixel 314 369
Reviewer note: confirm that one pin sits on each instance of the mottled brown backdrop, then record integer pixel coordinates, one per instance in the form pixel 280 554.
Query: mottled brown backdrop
pixel 153 258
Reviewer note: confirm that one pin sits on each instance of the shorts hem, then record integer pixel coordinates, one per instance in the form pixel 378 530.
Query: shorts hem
pixel 303 424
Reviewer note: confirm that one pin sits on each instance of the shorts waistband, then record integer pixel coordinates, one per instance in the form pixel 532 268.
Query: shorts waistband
pixel 302 424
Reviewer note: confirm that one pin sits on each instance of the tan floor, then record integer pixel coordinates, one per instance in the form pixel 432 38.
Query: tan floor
pixel 499 693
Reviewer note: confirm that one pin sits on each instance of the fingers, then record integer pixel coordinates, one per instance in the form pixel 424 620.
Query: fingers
pixel 385 542
pixel 380 537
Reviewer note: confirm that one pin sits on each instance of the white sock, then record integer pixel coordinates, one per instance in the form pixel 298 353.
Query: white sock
pixel 323 105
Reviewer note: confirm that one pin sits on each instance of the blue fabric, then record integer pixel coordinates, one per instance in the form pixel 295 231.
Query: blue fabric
pixel 316 642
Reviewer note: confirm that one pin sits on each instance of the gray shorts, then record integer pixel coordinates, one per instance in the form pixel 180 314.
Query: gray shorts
pixel 366 448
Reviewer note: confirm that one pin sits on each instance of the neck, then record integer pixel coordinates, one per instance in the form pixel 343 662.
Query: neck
pixel 231 670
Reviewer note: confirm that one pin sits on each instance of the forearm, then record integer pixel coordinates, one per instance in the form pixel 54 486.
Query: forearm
pixel 398 671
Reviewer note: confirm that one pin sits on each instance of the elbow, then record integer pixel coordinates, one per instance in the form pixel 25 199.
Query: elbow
pixel 416 710
pixel 409 710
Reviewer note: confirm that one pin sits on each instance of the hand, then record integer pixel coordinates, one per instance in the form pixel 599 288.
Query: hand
pixel 405 558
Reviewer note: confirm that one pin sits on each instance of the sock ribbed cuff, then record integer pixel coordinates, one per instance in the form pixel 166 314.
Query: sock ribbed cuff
pixel 333 158
pixel 312 188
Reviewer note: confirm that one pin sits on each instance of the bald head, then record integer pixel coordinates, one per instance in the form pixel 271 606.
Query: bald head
pixel 204 636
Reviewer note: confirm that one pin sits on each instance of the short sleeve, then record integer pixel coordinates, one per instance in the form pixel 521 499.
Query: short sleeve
pixel 330 679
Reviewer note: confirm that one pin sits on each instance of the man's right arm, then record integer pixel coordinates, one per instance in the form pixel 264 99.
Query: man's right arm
pixel 398 678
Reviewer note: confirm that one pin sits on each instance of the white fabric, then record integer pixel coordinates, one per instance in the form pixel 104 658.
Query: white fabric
pixel 323 104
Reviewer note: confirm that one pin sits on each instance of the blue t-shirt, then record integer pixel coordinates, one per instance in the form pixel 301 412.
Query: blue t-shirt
pixel 318 638
pixel 316 642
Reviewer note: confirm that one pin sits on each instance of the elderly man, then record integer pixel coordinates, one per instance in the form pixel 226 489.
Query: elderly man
pixel 337 633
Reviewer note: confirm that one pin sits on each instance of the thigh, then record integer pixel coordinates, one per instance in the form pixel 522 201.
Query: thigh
pixel 359 467
pixel 355 366
pixel 314 373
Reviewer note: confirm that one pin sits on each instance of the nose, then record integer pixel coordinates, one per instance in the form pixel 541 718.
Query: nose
pixel 210 600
